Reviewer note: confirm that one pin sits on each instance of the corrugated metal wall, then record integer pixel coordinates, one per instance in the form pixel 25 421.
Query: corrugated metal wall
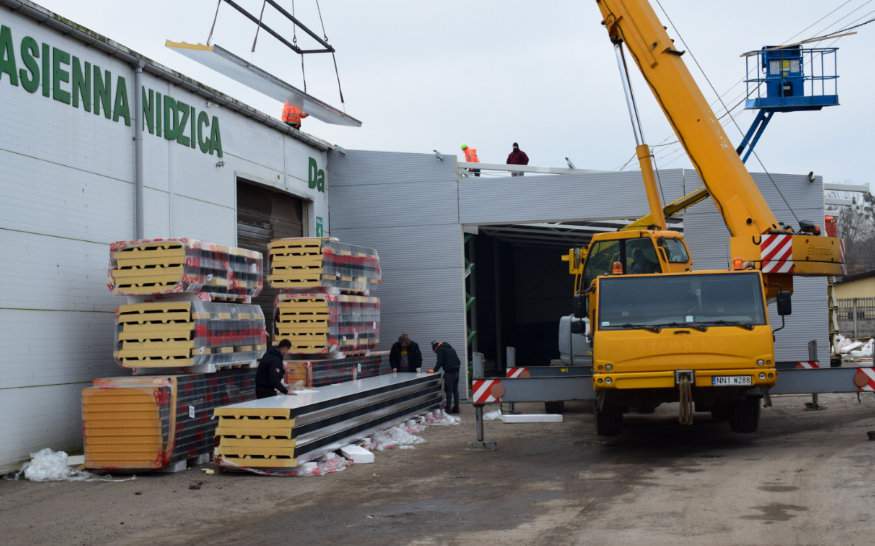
pixel 407 207
pixel 411 207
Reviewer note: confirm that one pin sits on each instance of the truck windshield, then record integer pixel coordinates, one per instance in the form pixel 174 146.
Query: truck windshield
pixel 726 299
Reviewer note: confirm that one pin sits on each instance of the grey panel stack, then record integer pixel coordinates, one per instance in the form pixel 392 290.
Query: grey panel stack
pixel 407 206
pixel 708 240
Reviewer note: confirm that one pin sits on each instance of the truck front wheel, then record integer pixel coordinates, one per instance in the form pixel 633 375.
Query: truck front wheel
pixel 608 421
pixel 745 417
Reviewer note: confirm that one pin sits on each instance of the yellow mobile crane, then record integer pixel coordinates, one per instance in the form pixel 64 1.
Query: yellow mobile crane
pixel 659 331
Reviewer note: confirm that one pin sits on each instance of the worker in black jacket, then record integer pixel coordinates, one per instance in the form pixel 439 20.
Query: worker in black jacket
pixel 448 361
pixel 269 379
pixel 405 355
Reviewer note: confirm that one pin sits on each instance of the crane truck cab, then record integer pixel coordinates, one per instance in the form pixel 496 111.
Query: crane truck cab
pixel 699 338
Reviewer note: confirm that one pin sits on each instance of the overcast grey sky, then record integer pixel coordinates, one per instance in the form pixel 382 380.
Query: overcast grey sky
pixel 425 75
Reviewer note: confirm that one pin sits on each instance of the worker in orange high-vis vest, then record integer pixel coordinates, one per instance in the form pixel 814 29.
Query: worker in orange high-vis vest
pixel 471 157
pixel 292 115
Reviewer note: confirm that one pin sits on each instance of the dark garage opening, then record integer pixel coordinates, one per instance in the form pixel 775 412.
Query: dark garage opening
pixel 522 288
pixel 264 214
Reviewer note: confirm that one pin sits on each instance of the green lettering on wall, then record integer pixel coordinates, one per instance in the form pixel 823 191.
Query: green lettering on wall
pixel 315 176
pixel 7 56
pixel 170 119
pixel 120 108
pixel 29 54
pixel 81 89
pixel 60 74
pixel 158 116
pixel 148 100
pixel 46 64
pixel 191 130
pixel 203 123
pixel 215 137
pixel 181 119
pixel 102 92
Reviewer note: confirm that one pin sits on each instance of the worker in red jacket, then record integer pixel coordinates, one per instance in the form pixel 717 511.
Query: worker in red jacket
pixel 517 157
pixel 471 157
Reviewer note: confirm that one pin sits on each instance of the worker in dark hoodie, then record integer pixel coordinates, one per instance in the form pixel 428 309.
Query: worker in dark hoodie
pixel 448 361
pixel 271 373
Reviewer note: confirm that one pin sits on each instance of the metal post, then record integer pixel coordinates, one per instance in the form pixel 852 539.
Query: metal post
pixel 496 279
pixel 510 363
pixel 478 422
pixel 812 356
pixel 480 443
pixel 854 312
pixel 477 367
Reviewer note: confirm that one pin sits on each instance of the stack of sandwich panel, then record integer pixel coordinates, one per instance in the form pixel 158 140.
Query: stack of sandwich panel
pixel 172 266
pixel 186 333
pixel 148 423
pixel 320 323
pixel 308 263
pixel 281 432
pixel 318 373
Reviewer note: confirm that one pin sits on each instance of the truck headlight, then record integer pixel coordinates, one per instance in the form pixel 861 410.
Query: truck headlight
pixel 608 380
pixel 761 362
pixel 762 376
pixel 609 367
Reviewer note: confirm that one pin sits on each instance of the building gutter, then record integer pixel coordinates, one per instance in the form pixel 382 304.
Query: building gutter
pixel 139 169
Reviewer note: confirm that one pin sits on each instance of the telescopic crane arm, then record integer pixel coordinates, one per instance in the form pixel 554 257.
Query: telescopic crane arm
pixel 745 212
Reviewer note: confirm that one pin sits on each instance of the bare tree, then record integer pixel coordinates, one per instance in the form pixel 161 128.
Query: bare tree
pixel 857 231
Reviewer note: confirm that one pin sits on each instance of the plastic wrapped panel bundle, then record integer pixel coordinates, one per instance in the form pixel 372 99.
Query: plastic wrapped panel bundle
pixel 319 323
pixel 281 432
pixel 186 333
pixel 303 263
pixel 148 423
pixel 173 266
pixel 318 373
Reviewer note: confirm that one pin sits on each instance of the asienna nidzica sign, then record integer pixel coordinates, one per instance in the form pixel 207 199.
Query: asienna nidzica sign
pixel 37 67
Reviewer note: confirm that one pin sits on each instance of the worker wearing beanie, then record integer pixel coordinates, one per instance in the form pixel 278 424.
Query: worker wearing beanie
pixel 448 361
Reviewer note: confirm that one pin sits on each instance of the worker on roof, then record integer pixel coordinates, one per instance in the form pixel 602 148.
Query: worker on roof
pixel 471 157
pixel 448 361
pixel 292 115
pixel 517 157
pixel 271 374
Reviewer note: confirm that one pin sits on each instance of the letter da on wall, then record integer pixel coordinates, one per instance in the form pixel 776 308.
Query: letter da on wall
pixel 315 176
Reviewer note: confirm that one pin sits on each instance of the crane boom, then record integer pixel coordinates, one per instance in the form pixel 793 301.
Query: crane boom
pixel 745 211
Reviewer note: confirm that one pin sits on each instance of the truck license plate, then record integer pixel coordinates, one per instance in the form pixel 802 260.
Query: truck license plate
pixel 731 380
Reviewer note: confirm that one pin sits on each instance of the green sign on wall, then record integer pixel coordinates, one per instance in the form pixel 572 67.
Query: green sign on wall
pixel 55 73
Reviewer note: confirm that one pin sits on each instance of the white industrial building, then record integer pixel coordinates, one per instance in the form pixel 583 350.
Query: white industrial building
pixel 76 175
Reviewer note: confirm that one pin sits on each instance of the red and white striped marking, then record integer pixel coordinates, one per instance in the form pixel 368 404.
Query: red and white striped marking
pixel 776 253
pixel 482 391
pixel 808 364
pixel 514 373
pixel 864 379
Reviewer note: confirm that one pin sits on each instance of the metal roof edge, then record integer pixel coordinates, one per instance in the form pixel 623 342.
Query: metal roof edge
pixel 100 42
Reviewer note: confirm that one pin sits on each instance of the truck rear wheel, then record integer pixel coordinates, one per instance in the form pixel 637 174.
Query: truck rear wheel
pixel 745 417
pixel 608 421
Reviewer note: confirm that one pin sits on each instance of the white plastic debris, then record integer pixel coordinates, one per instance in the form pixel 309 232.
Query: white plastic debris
pixel 851 347
pixel 47 466
pixel 492 415
pixel 328 464
pixel 357 454
pixel 441 418
pixel 395 437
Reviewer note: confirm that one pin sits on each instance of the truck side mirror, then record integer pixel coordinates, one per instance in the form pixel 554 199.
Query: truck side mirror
pixel 784 304
pixel 579 304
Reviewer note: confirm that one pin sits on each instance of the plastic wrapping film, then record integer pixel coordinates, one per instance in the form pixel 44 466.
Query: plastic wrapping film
pixel 317 373
pixel 302 263
pixel 148 423
pixel 182 333
pixel 319 323
pixel 172 266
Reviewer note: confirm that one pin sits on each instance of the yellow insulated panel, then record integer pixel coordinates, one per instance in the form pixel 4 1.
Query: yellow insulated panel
pixel 122 428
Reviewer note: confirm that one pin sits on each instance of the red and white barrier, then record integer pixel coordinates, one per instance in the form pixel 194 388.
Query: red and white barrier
pixel 483 391
pixel 776 253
